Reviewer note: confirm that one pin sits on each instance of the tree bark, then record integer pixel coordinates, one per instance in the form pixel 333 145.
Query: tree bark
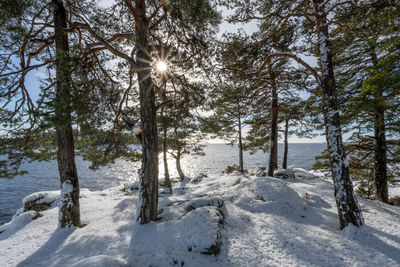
pixel 380 163
pixel 165 159
pixel 69 214
pixel 380 167
pixel 148 191
pixel 273 155
pixel 348 207
pixel 285 153
pixel 241 169
pixel 178 164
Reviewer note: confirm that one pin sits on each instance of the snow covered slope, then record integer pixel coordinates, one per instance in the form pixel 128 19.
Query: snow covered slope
pixel 246 220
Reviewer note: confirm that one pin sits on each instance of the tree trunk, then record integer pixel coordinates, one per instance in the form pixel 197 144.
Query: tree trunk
pixel 380 163
pixel 273 155
pixel 241 169
pixel 348 208
pixel 165 159
pixel 148 191
pixel 69 214
pixel 178 165
pixel 285 153
pixel 380 167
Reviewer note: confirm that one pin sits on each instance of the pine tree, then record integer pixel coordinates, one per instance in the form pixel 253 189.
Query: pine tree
pixel 291 14
pixel 231 104
pixel 368 61
pixel 34 41
pixel 69 207
pixel 186 24
pixel 71 95
pixel 181 124
pixel 295 117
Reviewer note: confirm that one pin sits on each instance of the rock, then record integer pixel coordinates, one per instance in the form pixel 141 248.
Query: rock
pixel 134 186
pixel 99 261
pixel 203 202
pixel 40 201
pixel 208 221
pixel 17 223
pixel 165 191
pixel 199 178
pixel 272 196
pixel 198 231
pixel 284 174
pixel 395 201
pixel 303 174
pixel 259 172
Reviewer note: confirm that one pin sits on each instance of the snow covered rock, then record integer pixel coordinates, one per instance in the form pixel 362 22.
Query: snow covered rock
pixel 271 195
pixel 303 174
pixel 32 204
pixel 208 221
pixel 395 201
pixel 172 242
pixel 199 178
pixel 100 261
pixel 134 186
pixel 203 202
pixel 40 201
pixel 259 172
pixel 17 223
pixel 165 191
pixel 284 174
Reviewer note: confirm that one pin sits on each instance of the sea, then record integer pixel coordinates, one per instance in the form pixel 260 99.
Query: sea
pixel 43 176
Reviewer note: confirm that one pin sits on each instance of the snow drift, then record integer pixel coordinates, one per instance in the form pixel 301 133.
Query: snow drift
pixel 226 220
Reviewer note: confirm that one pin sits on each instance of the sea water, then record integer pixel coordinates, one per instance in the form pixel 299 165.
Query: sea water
pixel 43 176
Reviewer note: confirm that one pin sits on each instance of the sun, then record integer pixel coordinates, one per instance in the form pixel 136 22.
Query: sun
pixel 161 66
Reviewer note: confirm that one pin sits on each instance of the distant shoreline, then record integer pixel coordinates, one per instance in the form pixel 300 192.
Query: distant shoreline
pixel 278 143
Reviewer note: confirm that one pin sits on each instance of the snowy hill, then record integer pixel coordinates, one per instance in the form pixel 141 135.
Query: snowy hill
pixel 215 221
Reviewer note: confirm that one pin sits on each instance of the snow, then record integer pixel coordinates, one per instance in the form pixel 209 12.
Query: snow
pixel 100 261
pixel 16 224
pixel 66 199
pixel 42 197
pixel 256 221
pixel 394 190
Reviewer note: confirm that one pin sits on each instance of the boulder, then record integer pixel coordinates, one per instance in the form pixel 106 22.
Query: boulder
pixel 259 172
pixel 165 191
pixel 395 201
pixel 199 178
pixel 304 174
pixel 284 174
pixel 203 202
pixel 198 231
pixel 99 261
pixel 40 201
pixel 208 221
pixel 17 223
pixel 134 185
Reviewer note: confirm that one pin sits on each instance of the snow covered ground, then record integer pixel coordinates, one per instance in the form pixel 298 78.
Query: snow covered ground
pixel 249 220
